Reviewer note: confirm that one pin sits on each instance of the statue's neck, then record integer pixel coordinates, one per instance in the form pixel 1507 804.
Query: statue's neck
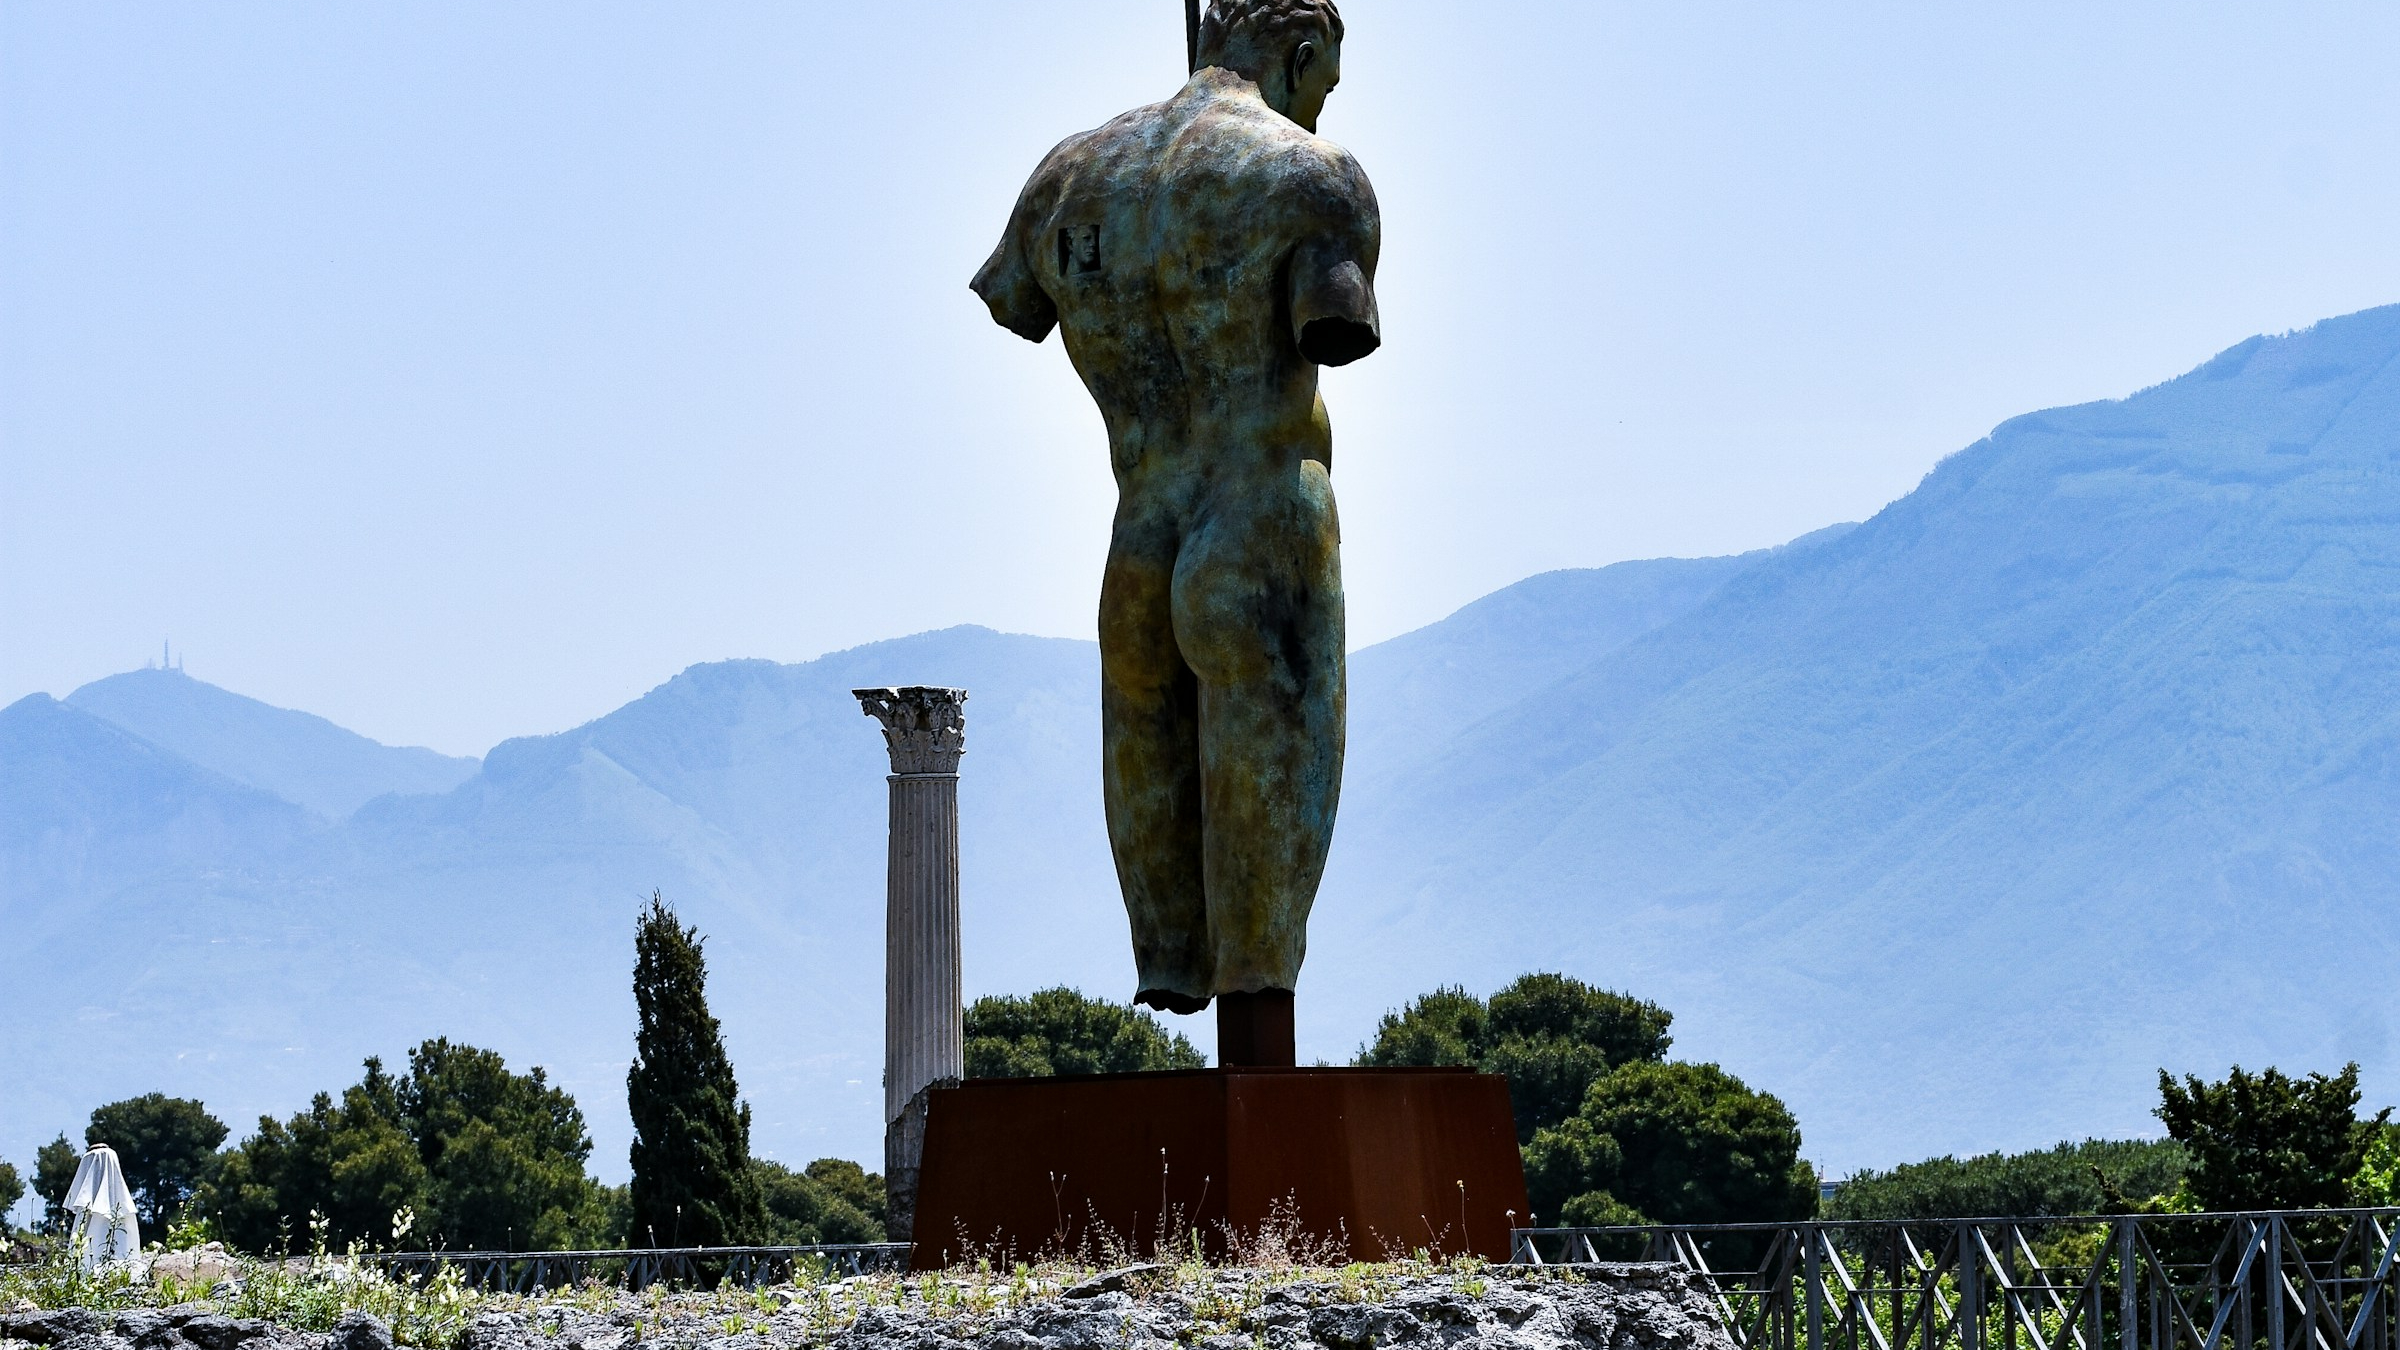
pixel 1225 82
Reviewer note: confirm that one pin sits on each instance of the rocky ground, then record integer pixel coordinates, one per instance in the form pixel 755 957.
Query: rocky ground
pixel 190 1326
pixel 1615 1307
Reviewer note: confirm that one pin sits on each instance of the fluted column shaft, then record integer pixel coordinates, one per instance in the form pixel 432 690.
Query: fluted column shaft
pixel 924 1020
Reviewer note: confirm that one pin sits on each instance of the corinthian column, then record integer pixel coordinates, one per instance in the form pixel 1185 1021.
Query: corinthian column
pixel 924 1024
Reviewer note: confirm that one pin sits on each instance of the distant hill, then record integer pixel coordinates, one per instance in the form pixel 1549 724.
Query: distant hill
pixel 1417 690
pixel 1950 827
pixel 501 911
pixel 86 807
pixel 752 794
pixel 1447 674
pixel 2078 761
pixel 296 756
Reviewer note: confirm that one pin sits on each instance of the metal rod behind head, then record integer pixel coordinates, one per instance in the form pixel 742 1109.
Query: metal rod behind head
pixel 1191 36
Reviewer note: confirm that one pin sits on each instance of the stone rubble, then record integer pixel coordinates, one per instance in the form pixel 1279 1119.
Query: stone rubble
pixel 1608 1307
pixel 186 1326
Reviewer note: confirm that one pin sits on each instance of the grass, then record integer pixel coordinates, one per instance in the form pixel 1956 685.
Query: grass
pixel 310 1293
pixel 1219 1296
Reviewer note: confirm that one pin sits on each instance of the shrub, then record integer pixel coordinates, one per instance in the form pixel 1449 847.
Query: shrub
pixel 12 1189
pixel 2096 1176
pixel 483 1157
pixel 53 1172
pixel 1672 1143
pixel 832 1200
pixel 2265 1141
pixel 1055 1031
pixel 2377 1182
pixel 1550 1035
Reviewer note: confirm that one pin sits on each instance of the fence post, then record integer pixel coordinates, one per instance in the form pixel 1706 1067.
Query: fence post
pixel 2274 1282
pixel 2245 1307
pixel 1813 1268
pixel 1970 1290
pixel 2128 1277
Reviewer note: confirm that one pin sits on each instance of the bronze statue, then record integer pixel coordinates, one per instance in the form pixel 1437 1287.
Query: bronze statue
pixel 1202 257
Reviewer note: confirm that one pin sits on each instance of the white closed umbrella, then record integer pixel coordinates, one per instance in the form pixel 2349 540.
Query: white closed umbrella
pixel 102 1209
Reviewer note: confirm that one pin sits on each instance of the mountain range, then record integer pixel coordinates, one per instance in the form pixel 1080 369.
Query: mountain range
pixel 1951 827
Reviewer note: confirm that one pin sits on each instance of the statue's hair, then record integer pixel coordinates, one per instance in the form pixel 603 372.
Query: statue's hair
pixel 1241 34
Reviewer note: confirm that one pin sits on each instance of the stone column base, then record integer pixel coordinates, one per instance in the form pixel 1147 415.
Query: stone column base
pixel 903 1157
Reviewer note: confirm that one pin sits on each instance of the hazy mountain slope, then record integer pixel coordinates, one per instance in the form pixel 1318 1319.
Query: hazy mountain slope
pixel 85 806
pixel 113 853
pixel 752 794
pixel 1411 694
pixel 1951 827
pixel 2076 762
pixel 1404 692
pixel 297 756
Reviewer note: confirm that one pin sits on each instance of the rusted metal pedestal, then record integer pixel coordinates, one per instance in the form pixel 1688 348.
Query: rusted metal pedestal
pixel 1255 1030
pixel 1381 1161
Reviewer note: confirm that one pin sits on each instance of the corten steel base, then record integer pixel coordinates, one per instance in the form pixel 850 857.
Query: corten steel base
pixel 1379 1160
pixel 1255 1030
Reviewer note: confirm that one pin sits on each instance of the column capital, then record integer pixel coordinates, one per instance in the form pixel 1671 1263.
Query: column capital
pixel 924 726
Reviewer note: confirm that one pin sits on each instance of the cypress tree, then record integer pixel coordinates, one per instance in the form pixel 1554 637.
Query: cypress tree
pixel 692 1181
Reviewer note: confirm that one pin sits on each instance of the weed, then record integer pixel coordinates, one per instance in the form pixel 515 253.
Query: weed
pixel 59 1280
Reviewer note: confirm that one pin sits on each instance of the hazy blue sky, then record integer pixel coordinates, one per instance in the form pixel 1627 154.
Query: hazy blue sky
pixel 461 371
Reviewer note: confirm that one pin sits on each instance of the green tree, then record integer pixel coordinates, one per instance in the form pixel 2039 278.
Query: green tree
pixel 2265 1141
pixel 1542 1006
pixel 692 1179
pixel 832 1200
pixel 609 1218
pixel 53 1172
pixel 482 1157
pixel 351 1162
pixel 12 1189
pixel 1055 1031
pixel 1443 1027
pixel 502 1152
pixel 1552 1036
pixel 1672 1143
pixel 2377 1182
pixel 166 1146
pixel 854 1185
pixel 2091 1177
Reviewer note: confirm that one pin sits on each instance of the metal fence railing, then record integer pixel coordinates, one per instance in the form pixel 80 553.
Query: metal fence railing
pixel 639 1268
pixel 2294 1280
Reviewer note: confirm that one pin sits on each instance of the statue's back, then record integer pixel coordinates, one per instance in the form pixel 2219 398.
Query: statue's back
pixel 1168 244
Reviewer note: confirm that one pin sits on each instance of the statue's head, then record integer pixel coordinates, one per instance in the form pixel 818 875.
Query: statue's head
pixel 1292 49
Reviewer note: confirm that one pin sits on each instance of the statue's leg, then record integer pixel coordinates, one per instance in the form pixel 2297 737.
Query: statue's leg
pixel 1150 768
pixel 1258 617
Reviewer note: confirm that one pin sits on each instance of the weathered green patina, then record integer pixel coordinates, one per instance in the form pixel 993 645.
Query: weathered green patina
pixel 1202 257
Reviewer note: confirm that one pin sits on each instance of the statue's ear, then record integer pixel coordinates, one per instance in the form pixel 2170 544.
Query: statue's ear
pixel 1303 56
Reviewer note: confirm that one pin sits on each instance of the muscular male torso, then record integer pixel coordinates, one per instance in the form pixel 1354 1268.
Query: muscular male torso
pixel 1201 258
